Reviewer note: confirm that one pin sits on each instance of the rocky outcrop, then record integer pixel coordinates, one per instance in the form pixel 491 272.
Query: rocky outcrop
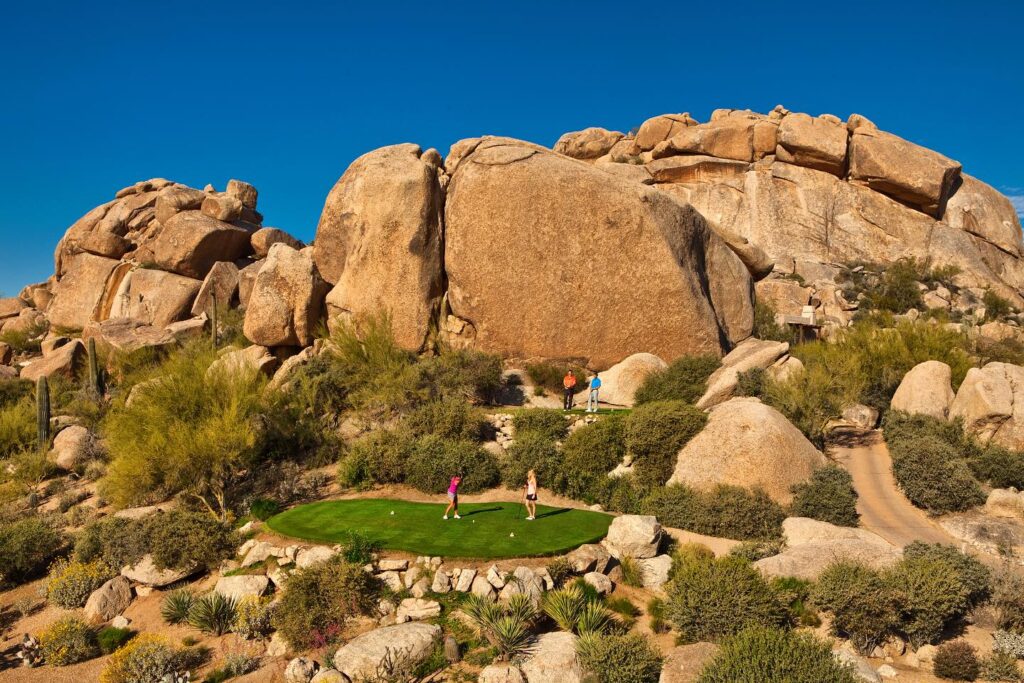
pixel 750 354
pixel 411 642
pixel 587 144
pixel 242 586
pixel 925 390
pixel 526 232
pixel 264 238
pixel 747 443
pixel 65 360
pixel 811 546
pixel 286 303
pixel 72 446
pixel 145 572
pixel 154 297
pixel 78 294
pixel 191 242
pixel 379 240
pixel 220 285
pixel 991 404
pixel 636 536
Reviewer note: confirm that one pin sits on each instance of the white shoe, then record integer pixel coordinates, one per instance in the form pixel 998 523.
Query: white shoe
pixel 531 518
pixel 445 517
pixel 457 517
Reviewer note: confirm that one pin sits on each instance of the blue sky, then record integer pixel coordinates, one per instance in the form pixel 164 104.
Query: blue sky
pixel 284 95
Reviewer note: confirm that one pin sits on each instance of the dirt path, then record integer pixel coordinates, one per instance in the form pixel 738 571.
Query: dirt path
pixel 882 506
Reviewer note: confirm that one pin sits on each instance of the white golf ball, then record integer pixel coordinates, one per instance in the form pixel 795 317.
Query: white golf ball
pixel 512 535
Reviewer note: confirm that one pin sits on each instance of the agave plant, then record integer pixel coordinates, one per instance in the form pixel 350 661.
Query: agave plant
pixel 482 612
pixel 563 606
pixel 506 627
pixel 511 636
pixel 594 618
pixel 213 613
pixel 521 606
pixel 176 606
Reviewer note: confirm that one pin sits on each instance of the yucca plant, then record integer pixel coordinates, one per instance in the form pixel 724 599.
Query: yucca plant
pixel 511 636
pixel 176 606
pixel 506 627
pixel 482 612
pixel 563 606
pixel 213 613
pixel 632 572
pixel 520 606
pixel 594 618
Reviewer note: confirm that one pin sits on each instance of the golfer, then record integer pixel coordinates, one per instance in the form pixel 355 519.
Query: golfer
pixel 569 383
pixel 453 496
pixel 595 386
pixel 530 494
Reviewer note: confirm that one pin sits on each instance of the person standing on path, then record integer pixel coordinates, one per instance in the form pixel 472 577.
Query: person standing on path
pixel 595 386
pixel 531 495
pixel 569 382
pixel 453 496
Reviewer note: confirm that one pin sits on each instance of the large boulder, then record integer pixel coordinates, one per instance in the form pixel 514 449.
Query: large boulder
pixel 991 404
pixel 109 600
pixel 10 307
pixel 154 297
pixel 191 242
pixel 812 545
pixel 749 444
pixel 379 240
pixel 286 303
pixel 986 213
pixel 905 171
pixel 79 292
pixel 531 235
pixel 731 137
pixel 242 586
pixel 127 334
pixel 750 354
pixel 684 663
pixel 410 642
pixel 636 536
pixel 72 446
pixel 65 360
pixel 145 572
pixel 587 144
pixel 620 382
pixel 264 238
pixel 552 660
pixel 818 143
pixel 220 285
pixel 252 358
pixel 925 390
pixel 660 128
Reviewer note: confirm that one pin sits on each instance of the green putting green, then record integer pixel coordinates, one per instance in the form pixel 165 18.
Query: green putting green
pixel 486 530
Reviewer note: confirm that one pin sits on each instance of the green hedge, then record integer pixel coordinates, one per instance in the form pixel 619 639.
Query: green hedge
pixel 655 432
pixel 684 380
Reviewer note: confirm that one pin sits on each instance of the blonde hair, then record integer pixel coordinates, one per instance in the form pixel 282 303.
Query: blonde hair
pixel 531 475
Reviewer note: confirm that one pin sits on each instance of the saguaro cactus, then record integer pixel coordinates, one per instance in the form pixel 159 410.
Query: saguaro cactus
pixel 213 318
pixel 43 412
pixel 95 378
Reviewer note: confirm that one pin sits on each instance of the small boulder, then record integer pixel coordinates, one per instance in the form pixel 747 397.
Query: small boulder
pixel 482 587
pixel 636 536
pixel 861 667
pixel 654 571
pixel 287 299
pixel 242 586
pixel 925 390
pixel 264 238
pixel 109 600
pixel 300 670
pixel 749 354
pixel 72 447
pixel 220 284
pixel 257 358
pixel 599 582
pixel 417 609
pixel 145 572
pixel 501 673
pixel 587 144
pixel 589 557
pixel 307 557
pixel 523 581
pixel 442 583
pixel 553 660
pixel 465 581
pixel 620 382
pixel 329 676
pixel 812 545
pixel 361 656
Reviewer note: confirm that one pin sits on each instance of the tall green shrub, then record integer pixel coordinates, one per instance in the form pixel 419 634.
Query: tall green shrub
pixel 768 655
pixel 828 496
pixel 655 432
pixel 684 380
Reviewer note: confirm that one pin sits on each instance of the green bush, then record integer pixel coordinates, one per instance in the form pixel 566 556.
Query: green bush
pixel 14 390
pixel 180 539
pixel 67 641
pixel 996 307
pixel 999 467
pixel 973 576
pixel 933 477
pixel 930 596
pixel 655 432
pixel 726 511
pixel 147 658
pixel 117 542
pixel 110 639
pixel 829 496
pixel 449 419
pixel 898 291
pixel 957 661
pixel 531 451
pixel 684 380
pixel 546 422
pixel 462 374
pixel 213 613
pixel 862 603
pixel 712 598
pixel 625 494
pixel 264 508
pixel 560 571
pixel 548 376
pixel 71 583
pixel 629 658
pixel 17 427
pixel 27 546
pixel 766 325
pixel 176 605
pixel 751 382
pixel 253 618
pixel 1008 601
pixel 1000 666
pixel 767 655
pixel 380 457
pixel 358 548
pixel 434 461
pixel 588 454
pixel 318 600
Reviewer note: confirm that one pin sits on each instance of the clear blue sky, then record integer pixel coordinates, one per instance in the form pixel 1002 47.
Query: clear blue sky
pixel 284 95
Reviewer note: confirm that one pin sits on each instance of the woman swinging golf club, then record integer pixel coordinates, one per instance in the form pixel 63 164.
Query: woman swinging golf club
pixel 530 495
pixel 453 496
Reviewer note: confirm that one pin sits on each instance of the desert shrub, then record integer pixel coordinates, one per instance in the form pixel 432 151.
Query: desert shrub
pixel 213 613
pixel 548 376
pixel 655 432
pixel 766 326
pixel 957 661
pixel 588 454
pixel 318 600
pixel 190 431
pixel 751 382
pixel 759 654
pixel 564 606
pixel 1009 643
pixel 712 598
pixel 996 307
pixel 462 375
pixel 70 583
pixel 449 419
pixel 626 494
pixel 752 551
pixel 1000 666
pixel 434 461
pixel 828 496
pixel 933 477
pixel 379 457
pixel 930 597
pixel 176 605
pixel 684 380
pixel 27 546
pixel 560 571
pixel 973 576
pixel 862 603
pixel 252 618
pixel 632 572
pixel 264 508
pixel 542 421
pixel 531 451
pixel 67 641
pixel 729 511
pixel 117 542
pixel 897 291
pixel 1008 600
pixel 28 340
pixel 110 639
pixel 181 539
pixel 147 658
pixel 796 595
pixel 629 658
pixel 358 548
pixel 999 467
pixel 14 390
pixel 17 427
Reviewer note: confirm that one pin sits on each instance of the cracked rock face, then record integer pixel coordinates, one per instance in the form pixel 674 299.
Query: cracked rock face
pixel 991 403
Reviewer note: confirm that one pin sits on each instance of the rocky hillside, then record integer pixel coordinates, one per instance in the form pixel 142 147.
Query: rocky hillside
pixel 609 245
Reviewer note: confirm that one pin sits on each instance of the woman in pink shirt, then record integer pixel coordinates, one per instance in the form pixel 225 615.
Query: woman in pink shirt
pixel 453 496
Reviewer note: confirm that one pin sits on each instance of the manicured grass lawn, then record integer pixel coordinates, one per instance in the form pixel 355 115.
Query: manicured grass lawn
pixel 484 532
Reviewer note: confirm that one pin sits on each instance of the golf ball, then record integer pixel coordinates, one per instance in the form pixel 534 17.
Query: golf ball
pixel 512 535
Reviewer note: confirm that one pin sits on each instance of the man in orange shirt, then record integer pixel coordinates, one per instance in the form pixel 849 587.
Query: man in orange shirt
pixel 569 382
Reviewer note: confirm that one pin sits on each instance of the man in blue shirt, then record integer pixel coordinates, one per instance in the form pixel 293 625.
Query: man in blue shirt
pixel 595 385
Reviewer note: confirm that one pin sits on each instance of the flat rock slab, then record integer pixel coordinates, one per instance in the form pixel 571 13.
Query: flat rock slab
pixel 360 657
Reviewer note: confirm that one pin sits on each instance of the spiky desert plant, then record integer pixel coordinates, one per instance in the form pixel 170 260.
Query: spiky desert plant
pixel 563 606
pixel 521 607
pixel 213 318
pixel 632 572
pixel 511 637
pixel 506 627
pixel 95 378
pixel 43 413
pixel 482 612
pixel 594 618
pixel 213 613
pixel 176 606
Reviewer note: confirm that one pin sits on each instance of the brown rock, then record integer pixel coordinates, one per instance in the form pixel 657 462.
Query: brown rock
pixel 191 242
pixel 514 269
pixel 246 280
pixel 982 211
pixel 786 297
pixel 223 207
pixel 587 144
pixel 220 283
pixel 379 241
pixel 255 357
pixel 6 354
pixel 72 447
pixel 37 295
pixel 154 297
pixel 925 390
pixel 990 401
pixel 620 382
pixel 910 173
pixel 11 307
pixel 65 361
pixel 264 238
pixel 661 128
pixel 29 321
pixel 684 663
pixel 105 244
pixel 696 168
pixel 731 137
pixel 730 286
pixel 109 600
pixel 244 192
pixel 748 355
pixel 174 200
pixel 287 299
pixel 813 142
pixel 77 295
pixel 127 334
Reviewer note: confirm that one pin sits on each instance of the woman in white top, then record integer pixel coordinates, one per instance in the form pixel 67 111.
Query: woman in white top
pixel 531 494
